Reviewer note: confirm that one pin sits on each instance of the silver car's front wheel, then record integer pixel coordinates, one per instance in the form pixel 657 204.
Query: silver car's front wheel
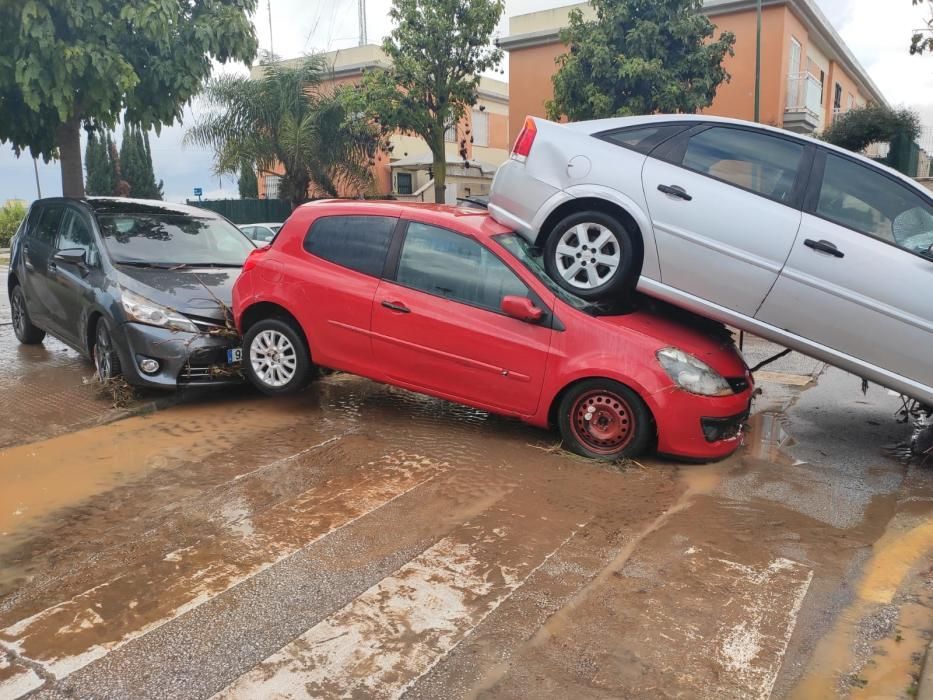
pixel 277 360
pixel 587 255
pixel 592 255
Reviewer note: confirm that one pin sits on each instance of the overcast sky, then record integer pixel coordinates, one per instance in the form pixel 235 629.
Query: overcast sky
pixel 877 31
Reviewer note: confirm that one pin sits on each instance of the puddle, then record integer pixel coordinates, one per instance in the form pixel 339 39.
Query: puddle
pixel 766 439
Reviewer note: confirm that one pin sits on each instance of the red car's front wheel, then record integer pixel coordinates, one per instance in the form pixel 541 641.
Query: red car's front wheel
pixel 603 419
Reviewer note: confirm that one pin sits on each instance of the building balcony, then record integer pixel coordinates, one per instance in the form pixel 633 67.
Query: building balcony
pixel 803 112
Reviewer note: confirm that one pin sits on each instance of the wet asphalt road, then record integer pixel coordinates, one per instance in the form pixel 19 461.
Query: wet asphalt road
pixel 360 540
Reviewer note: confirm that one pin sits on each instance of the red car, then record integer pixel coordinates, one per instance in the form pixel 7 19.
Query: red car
pixel 447 302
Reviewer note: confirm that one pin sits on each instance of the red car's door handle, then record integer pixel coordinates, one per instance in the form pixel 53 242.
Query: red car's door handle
pixel 396 306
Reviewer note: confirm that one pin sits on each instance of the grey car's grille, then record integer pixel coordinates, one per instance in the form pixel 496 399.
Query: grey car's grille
pixel 195 373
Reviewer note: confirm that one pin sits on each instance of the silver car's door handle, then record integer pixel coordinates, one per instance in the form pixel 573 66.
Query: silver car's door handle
pixel 824 247
pixel 675 191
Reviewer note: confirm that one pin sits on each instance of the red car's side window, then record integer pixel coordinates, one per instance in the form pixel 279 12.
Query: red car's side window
pixel 455 267
pixel 356 242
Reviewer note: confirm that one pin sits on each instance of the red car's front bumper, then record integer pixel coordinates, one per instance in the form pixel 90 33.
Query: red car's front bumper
pixel 700 427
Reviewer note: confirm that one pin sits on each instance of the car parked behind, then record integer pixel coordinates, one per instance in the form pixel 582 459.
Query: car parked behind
pixel 789 238
pixel 261 234
pixel 141 287
pixel 447 302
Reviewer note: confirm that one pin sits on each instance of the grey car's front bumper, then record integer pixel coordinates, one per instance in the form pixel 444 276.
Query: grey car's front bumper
pixel 185 359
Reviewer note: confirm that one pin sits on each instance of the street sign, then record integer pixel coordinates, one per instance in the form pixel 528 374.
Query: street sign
pixel 198 191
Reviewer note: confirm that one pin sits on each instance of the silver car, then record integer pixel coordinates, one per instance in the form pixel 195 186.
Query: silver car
pixel 786 237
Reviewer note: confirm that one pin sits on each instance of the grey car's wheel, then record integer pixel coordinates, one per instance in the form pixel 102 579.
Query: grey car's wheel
pixel 26 333
pixel 591 255
pixel 276 357
pixel 106 360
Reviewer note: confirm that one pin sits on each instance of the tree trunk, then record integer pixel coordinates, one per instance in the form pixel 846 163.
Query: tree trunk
pixel 68 140
pixel 439 167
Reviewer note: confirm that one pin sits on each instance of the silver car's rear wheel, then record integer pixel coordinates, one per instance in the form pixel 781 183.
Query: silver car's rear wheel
pixel 593 255
pixel 587 255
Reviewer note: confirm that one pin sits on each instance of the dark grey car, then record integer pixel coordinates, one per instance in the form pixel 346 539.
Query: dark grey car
pixel 140 287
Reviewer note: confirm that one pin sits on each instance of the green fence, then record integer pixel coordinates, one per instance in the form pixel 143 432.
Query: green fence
pixel 248 211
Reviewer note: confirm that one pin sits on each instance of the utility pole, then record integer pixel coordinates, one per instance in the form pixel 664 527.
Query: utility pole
pixel 35 166
pixel 271 51
pixel 758 65
pixel 361 4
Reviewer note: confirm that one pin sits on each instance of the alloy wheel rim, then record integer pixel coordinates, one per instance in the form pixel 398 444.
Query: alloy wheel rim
pixel 273 358
pixel 102 358
pixel 19 316
pixel 602 421
pixel 587 255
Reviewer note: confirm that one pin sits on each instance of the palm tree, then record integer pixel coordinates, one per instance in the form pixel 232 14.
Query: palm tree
pixel 285 118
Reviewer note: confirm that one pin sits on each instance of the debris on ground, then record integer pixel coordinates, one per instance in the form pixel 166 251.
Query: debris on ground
pixel 117 391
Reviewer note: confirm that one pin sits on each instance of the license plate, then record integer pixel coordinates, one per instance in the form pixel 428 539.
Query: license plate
pixel 234 355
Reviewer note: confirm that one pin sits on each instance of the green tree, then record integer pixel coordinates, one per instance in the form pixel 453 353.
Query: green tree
pixel 922 40
pixel 857 128
pixel 639 57
pixel 97 163
pixel 113 163
pixel 131 165
pixel 248 184
pixel 156 191
pixel 438 48
pixel 68 63
pixel 11 215
pixel 284 119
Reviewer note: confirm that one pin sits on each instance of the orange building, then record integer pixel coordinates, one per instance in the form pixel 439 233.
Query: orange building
pixel 406 172
pixel 808 74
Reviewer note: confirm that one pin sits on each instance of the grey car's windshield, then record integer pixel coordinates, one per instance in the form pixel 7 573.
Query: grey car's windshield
pixel 175 239
pixel 522 250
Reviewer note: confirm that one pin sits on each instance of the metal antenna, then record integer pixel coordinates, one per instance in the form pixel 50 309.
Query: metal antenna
pixel 362 14
pixel 271 51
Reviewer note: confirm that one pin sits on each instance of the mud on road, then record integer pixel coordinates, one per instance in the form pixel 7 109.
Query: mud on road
pixel 364 541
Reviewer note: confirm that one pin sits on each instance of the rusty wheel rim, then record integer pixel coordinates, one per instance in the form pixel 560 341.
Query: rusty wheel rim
pixel 602 421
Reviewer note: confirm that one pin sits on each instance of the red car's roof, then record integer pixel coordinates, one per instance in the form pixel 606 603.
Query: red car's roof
pixel 470 220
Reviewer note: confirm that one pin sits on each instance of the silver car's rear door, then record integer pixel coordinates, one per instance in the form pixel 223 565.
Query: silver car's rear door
pixel 724 204
pixel 858 280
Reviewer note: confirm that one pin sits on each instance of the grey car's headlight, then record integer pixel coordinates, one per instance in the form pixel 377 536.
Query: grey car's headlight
pixel 692 374
pixel 138 308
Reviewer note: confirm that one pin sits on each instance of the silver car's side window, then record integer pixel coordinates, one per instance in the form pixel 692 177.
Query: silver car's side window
pixel 859 198
pixel 764 164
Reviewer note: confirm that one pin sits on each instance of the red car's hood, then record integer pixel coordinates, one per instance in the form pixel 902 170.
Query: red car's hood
pixel 706 340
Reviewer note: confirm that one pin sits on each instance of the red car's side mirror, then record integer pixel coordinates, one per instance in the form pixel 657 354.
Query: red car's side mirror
pixel 521 308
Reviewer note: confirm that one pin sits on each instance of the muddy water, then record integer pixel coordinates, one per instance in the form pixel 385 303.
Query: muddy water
pixel 877 644
pixel 359 534
pixel 65 471
pixel 195 502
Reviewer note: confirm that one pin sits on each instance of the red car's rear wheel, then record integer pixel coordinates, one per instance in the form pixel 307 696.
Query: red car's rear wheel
pixel 603 419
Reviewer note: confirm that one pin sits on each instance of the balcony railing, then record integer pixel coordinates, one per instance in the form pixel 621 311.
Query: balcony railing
pixel 804 93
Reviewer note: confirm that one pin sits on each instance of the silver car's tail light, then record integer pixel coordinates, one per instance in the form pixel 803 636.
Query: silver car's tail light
pixel 525 139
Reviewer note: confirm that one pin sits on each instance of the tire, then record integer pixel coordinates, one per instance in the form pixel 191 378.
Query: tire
pixel 591 255
pixel 26 333
pixel 106 360
pixel 602 419
pixel 276 358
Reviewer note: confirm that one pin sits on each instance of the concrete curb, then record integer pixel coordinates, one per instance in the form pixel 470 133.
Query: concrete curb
pixel 925 688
